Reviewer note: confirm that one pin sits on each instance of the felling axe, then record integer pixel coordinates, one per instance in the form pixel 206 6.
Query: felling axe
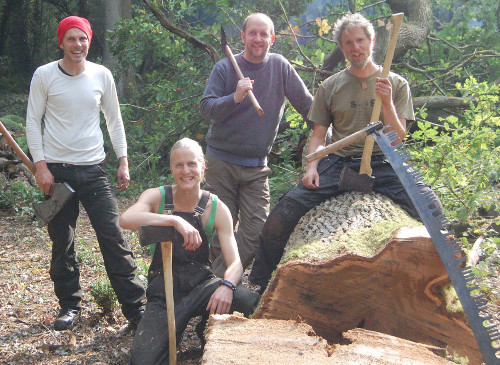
pixel 60 193
pixel 229 54
pixel 154 234
pixel 349 179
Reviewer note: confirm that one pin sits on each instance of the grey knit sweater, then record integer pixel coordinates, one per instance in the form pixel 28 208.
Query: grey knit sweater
pixel 236 128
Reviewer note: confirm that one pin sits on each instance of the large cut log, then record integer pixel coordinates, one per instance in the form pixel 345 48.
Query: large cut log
pixel 236 340
pixel 358 260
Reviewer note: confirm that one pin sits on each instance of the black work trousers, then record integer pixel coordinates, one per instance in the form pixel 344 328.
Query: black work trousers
pixel 300 199
pixel 93 189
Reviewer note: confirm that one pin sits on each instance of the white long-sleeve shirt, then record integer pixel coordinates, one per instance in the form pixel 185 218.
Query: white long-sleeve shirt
pixel 70 108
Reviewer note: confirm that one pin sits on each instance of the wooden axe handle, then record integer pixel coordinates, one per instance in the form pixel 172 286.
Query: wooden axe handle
pixel 397 19
pixel 17 149
pixel 337 145
pixel 240 76
pixel 166 254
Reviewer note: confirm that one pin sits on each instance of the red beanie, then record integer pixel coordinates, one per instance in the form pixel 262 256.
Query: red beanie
pixel 73 22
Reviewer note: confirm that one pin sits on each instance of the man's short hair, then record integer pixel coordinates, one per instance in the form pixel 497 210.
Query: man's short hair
pixel 349 21
pixel 269 20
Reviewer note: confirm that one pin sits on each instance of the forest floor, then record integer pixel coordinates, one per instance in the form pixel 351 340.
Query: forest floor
pixel 28 305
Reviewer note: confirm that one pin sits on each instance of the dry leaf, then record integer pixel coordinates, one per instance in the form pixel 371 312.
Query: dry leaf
pixel 323 26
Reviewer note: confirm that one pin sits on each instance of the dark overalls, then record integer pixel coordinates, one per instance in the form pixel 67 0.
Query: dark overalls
pixel 194 283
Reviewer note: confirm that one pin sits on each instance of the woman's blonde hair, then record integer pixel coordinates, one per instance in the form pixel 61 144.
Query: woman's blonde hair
pixel 188 143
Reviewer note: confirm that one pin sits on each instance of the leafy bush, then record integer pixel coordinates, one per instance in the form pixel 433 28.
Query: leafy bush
pixel 19 196
pixel 104 295
pixel 461 160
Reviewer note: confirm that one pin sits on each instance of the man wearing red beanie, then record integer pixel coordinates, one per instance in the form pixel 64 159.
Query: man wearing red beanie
pixel 68 95
pixel 73 22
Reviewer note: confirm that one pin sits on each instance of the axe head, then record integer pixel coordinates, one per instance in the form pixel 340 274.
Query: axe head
pixel 47 210
pixel 350 180
pixel 154 234
pixel 223 39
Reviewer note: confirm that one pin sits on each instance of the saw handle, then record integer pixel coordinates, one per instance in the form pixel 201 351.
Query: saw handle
pixel 17 149
pixel 365 167
pixel 254 101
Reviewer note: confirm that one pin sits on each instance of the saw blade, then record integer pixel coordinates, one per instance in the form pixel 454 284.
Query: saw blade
pixel 449 250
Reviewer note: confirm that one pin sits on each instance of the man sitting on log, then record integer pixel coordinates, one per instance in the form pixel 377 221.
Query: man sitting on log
pixel 344 100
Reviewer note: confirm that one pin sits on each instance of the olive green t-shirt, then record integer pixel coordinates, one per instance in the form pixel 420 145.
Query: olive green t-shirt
pixel 347 101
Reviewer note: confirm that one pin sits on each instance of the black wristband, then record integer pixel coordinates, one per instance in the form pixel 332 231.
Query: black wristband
pixel 228 284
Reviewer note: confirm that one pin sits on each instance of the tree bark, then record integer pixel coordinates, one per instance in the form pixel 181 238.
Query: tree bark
pixel 440 102
pixel 413 33
pixel 114 10
pixel 358 260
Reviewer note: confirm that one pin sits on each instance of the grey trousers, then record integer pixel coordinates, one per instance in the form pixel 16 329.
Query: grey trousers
pixel 245 191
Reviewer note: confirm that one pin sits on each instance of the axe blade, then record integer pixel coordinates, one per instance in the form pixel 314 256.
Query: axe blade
pixel 223 39
pixel 350 180
pixel 48 209
pixel 154 234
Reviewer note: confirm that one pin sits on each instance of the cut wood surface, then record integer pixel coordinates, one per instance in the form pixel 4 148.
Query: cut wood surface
pixel 351 262
pixel 236 340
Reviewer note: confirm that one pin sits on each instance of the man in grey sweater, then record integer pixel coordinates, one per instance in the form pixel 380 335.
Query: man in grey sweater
pixel 239 140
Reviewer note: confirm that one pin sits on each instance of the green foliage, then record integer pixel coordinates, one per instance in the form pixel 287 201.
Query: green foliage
pixel 104 295
pixel 463 42
pixel 9 81
pixel 461 160
pixel 286 166
pixel 15 124
pixel 19 197
pixel 164 106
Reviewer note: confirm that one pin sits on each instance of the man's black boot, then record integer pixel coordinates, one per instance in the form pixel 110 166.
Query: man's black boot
pixel 134 320
pixel 66 319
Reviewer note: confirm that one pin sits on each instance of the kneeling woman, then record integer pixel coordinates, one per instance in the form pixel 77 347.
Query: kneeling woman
pixel 197 291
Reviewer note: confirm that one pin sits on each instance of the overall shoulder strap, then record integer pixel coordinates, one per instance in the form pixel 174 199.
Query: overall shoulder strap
pixel 166 195
pixel 209 228
pixel 169 199
pixel 161 208
pixel 202 204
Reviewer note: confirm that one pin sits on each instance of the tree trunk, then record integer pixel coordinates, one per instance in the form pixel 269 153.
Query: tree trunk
pixel 412 33
pixel 359 261
pixel 114 10
pixel 236 340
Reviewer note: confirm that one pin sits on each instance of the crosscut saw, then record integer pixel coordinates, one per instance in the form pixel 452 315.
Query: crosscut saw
pixel 449 250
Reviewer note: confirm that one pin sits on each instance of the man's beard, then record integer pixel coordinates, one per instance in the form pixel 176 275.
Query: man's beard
pixel 359 65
